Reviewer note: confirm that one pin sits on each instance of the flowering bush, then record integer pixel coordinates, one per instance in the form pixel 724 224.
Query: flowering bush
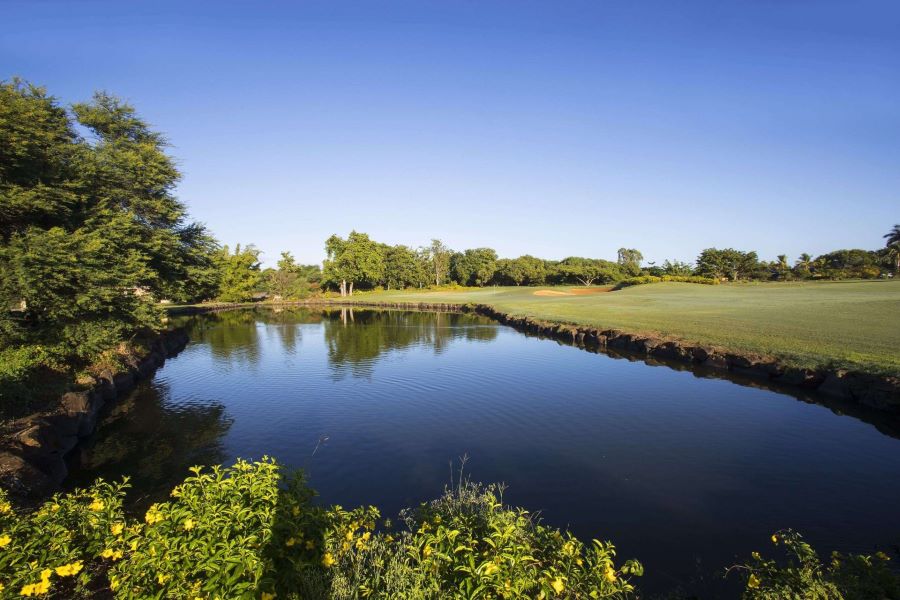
pixel 802 574
pixel 249 531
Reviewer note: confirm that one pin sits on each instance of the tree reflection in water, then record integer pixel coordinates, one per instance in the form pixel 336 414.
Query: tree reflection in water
pixel 152 440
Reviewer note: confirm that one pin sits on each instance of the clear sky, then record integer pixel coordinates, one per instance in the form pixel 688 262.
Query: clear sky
pixel 552 128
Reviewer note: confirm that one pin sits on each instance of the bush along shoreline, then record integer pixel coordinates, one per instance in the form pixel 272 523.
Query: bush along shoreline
pixel 252 531
pixel 33 448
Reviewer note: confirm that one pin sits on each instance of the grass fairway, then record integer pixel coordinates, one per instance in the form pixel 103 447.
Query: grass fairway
pixel 849 324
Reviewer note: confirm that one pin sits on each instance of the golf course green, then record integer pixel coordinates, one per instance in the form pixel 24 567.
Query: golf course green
pixel 852 325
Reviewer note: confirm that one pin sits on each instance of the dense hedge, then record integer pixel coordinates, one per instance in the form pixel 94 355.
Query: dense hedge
pixel 676 278
pixel 249 531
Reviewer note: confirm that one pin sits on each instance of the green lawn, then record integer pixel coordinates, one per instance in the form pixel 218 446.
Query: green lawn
pixel 851 324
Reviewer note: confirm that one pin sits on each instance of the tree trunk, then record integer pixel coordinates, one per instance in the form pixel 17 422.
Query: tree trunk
pixel 343 287
pixel 351 288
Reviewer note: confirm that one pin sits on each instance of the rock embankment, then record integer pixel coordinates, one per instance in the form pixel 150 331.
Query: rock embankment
pixel 33 448
pixel 880 392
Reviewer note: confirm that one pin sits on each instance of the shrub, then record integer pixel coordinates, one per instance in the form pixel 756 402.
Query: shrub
pixel 248 531
pixel 674 278
pixel 802 575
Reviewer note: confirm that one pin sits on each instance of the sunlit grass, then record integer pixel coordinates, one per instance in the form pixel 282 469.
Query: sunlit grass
pixel 846 324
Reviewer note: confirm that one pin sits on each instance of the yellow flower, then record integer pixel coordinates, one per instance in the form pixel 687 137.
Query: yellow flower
pixel 755 555
pixel 349 535
pixel 70 569
pixel 774 539
pixel 267 596
pixel 610 574
pixel 426 551
pixel 327 560
pixel 290 542
pixel 161 578
pixel 45 574
pixel 36 589
pixel 558 585
pixel 753 582
pixel 4 540
pixel 153 516
pixel 5 508
pixel 97 505
pixel 113 583
pixel 54 507
pixel 117 528
pixel 188 524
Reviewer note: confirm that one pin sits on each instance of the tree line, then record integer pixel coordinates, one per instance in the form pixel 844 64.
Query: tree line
pixel 92 239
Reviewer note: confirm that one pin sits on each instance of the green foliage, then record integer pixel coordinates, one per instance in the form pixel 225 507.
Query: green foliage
pixel 664 278
pixel 248 531
pixel 474 267
pixel 801 574
pixel 239 274
pixel 847 264
pixel 356 260
pixel 629 260
pixel 404 267
pixel 91 235
pixel 586 271
pixel 525 270
pixel 727 263
pixel 290 281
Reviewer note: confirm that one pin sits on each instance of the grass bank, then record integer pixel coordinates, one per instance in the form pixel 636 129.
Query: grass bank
pixel 852 325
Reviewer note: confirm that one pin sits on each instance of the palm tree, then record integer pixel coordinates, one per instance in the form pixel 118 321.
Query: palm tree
pixel 893 236
pixel 893 256
pixel 803 266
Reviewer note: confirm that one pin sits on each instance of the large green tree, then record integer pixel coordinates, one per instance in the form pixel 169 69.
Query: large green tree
pixel 91 233
pixel 475 266
pixel 727 263
pixel 240 273
pixel 356 260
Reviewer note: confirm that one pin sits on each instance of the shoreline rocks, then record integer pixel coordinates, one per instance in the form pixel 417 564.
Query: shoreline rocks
pixel 880 392
pixel 33 448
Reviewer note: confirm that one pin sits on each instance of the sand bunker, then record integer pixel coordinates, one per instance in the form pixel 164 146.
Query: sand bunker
pixel 551 293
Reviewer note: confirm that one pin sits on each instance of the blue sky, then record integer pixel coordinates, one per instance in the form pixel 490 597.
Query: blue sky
pixel 551 128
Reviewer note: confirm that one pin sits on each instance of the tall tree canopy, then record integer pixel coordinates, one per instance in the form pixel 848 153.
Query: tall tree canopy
pixel 91 232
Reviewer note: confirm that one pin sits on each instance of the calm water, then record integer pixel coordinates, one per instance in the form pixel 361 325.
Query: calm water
pixel 681 472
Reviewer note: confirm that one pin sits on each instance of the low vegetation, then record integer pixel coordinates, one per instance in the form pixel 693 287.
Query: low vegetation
pixel 251 531
pixel 248 531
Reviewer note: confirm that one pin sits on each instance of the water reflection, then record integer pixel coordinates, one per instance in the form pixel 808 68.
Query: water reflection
pixel 151 437
pixel 356 339
pixel 678 469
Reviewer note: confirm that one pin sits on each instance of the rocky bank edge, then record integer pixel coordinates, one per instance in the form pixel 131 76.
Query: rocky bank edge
pixel 874 391
pixel 33 448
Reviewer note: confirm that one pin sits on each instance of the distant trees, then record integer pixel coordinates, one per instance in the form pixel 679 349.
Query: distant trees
pixel 439 256
pixel 404 267
pixel 475 267
pixel 240 275
pixel 728 263
pixel 525 270
pixel 356 260
pixel 586 271
pixel 291 281
pixel 892 246
pixel 629 260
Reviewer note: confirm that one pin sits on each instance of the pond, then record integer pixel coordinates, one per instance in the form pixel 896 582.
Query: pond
pixel 682 472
